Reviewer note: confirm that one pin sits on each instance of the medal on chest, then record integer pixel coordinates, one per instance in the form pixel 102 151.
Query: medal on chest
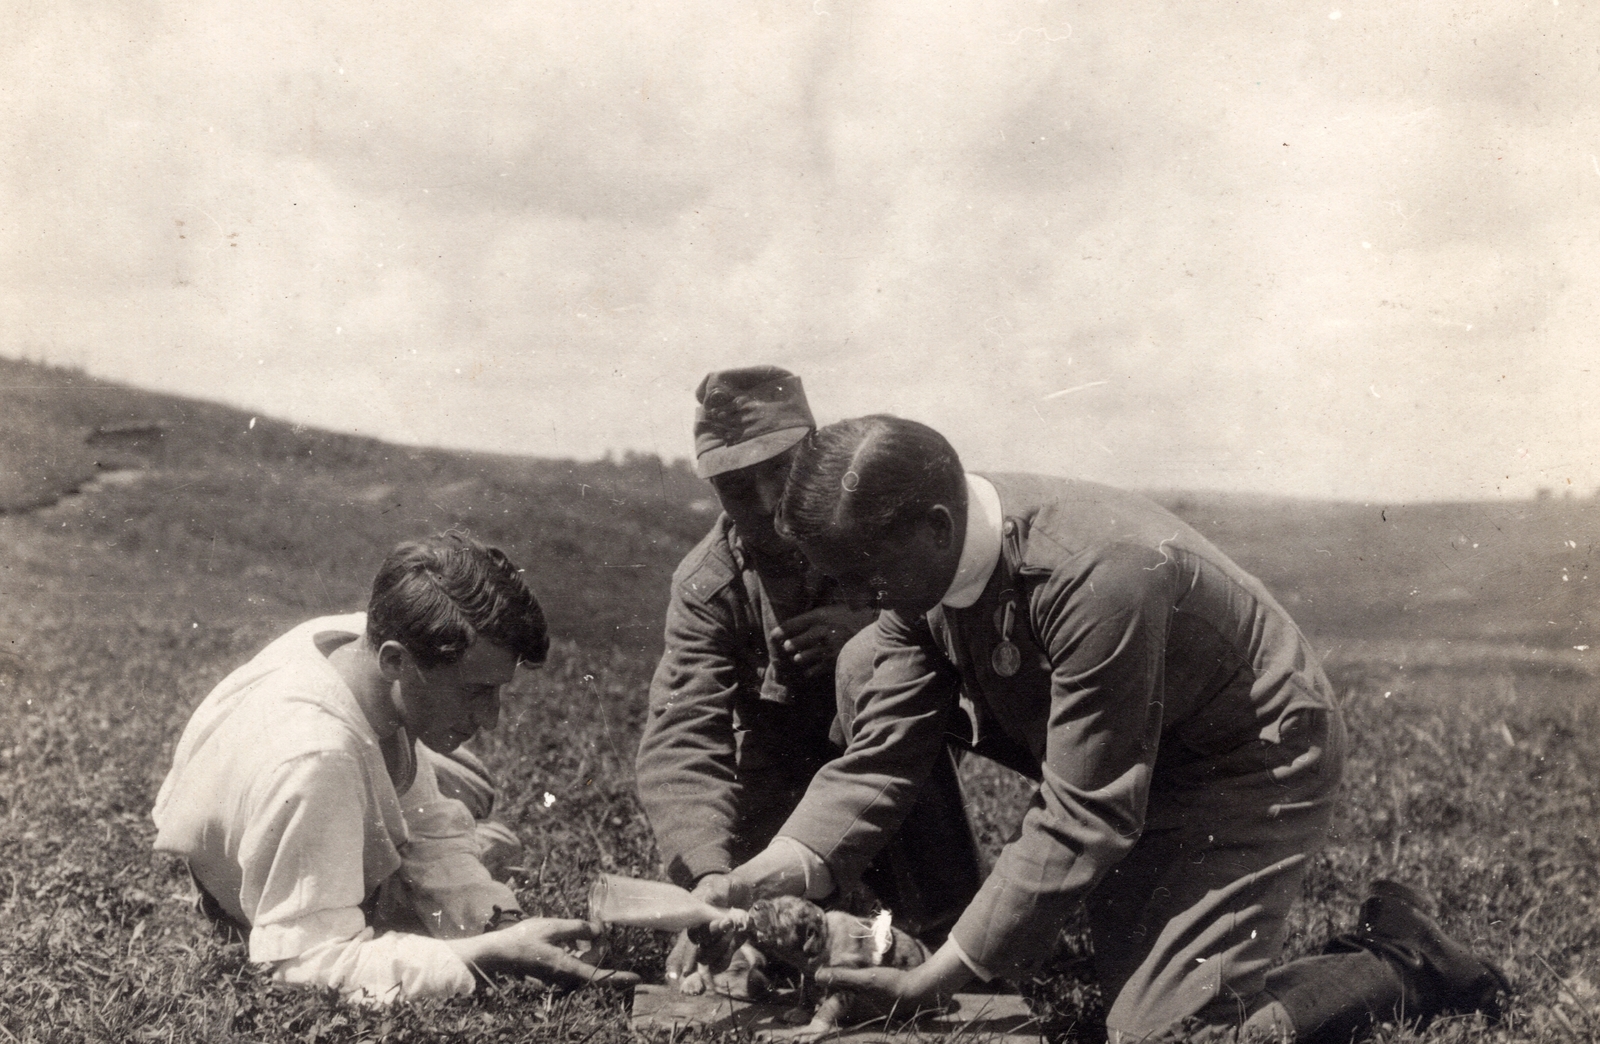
pixel 1006 658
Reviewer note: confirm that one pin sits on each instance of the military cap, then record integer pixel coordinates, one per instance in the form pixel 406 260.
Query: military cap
pixel 746 416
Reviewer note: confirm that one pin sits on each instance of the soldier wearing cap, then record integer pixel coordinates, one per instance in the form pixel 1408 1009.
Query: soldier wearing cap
pixel 742 702
pixel 1186 745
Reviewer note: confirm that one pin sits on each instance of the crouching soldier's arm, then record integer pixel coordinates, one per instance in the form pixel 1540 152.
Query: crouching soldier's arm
pixel 687 768
pixel 689 775
pixel 687 764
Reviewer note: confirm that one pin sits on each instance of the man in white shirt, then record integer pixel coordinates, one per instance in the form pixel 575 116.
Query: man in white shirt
pixel 305 791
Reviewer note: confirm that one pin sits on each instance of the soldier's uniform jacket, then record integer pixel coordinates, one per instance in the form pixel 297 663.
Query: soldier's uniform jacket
pixel 732 737
pixel 1158 685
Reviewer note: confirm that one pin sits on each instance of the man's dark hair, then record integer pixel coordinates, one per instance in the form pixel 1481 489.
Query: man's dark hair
pixel 867 479
pixel 439 594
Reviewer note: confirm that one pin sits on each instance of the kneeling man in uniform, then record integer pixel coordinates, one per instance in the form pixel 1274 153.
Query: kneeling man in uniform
pixel 1186 745
pixel 742 704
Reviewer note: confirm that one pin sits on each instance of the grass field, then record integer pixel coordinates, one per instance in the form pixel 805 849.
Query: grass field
pixel 138 567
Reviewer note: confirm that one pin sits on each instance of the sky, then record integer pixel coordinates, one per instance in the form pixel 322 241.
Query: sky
pixel 1342 249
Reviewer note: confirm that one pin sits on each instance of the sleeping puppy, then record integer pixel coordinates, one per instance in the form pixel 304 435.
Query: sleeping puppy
pixel 802 935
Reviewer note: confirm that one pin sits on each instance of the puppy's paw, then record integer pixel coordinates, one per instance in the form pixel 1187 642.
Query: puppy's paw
pixel 745 977
pixel 694 983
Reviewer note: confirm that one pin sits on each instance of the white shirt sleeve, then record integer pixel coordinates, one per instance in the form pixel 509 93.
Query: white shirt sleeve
pixel 818 878
pixel 449 888
pixel 302 857
pixel 973 966
pixel 378 969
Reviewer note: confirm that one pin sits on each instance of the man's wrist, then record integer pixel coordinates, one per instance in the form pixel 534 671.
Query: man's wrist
pixel 482 954
pixel 946 972
pixel 729 890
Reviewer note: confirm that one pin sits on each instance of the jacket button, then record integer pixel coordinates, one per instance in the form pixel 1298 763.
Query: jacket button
pixel 1009 528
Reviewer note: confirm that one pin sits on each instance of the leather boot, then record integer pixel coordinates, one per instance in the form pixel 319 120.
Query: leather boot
pixel 1441 976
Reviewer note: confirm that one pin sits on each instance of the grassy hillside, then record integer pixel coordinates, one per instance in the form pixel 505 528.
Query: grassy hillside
pixel 148 544
pixel 1515 571
pixel 239 514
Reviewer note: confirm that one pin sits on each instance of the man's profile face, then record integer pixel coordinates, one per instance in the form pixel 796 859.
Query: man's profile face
pixel 445 706
pixel 750 498
pixel 907 573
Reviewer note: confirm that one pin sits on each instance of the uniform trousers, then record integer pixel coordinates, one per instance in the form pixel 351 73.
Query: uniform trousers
pixel 1185 927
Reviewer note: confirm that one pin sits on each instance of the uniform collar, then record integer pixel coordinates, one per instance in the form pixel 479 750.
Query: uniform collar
pixel 980 546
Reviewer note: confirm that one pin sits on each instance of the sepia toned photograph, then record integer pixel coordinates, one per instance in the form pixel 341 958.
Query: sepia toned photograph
pixel 795 521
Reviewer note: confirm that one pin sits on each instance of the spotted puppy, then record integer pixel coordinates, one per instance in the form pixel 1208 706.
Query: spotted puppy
pixel 803 936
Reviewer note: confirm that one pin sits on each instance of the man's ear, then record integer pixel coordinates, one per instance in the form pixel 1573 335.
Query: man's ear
pixel 942 522
pixel 393 659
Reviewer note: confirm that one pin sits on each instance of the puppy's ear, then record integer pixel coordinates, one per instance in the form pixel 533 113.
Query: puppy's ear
pixel 761 920
pixel 815 942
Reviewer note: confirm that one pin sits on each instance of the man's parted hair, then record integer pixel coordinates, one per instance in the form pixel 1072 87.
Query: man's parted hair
pixel 866 479
pixel 439 594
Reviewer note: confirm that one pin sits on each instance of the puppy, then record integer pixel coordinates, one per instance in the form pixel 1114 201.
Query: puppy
pixel 803 936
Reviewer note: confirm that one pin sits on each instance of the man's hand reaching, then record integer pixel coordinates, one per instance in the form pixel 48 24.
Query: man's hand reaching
pixel 722 890
pixel 928 986
pixel 708 958
pixel 538 946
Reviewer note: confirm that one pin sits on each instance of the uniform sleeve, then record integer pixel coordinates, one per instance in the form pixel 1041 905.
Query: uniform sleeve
pixel 447 884
pixel 1104 630
pixel 856 802
pixel 303 883
pixel 688 782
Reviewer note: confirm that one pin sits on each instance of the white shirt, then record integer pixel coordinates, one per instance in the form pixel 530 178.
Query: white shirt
pixel 980 544
pixel 280 801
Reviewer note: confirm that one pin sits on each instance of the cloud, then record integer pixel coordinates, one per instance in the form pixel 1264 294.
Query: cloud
pixel 1347 256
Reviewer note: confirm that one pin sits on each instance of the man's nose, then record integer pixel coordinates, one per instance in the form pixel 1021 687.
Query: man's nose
pixel 486 715
pixel 767 495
